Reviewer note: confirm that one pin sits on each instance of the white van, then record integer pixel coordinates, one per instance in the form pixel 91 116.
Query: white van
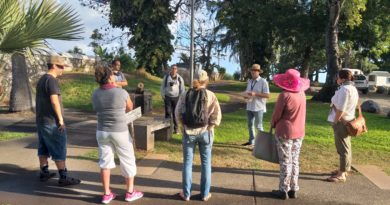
pixel 379 78
pixel 360 80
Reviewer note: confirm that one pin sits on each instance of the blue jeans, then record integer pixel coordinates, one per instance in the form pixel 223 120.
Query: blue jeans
pixel 51 142
pixel 205 142
pixel 254 119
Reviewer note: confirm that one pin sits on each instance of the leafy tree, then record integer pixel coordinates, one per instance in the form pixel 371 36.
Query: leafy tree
pixel 104 54
pixel 96 37
pixel 237 75
pixel 185 59
pixel 76 50
pixel 147 21
pixel 24 27
pixel 370 40
pixel 127 62
pixel 351 11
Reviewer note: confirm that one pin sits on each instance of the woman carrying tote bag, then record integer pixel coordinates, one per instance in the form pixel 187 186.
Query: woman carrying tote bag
pixel 289 120
pixel 343 108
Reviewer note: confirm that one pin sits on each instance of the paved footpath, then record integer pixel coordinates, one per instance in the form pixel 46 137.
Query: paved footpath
pixel 19 184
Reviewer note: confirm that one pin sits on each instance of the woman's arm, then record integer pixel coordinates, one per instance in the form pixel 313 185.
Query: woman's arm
pixel 129 104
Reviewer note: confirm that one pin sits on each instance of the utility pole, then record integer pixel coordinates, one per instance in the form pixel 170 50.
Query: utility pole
pixel 192 44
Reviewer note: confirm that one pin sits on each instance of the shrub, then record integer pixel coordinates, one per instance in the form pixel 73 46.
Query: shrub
pixel 237 75
pixel 228 76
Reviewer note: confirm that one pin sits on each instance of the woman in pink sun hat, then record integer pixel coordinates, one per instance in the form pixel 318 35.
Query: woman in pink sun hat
pixel 289 121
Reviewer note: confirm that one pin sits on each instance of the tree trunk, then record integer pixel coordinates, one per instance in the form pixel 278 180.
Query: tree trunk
pixel 306 61
pixel 21 95
pixel 332 52
pixel 317 76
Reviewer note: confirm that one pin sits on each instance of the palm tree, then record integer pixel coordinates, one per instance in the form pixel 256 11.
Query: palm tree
pixel 24 27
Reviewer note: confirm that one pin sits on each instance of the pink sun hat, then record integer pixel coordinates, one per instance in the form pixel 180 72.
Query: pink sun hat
pixel 291 81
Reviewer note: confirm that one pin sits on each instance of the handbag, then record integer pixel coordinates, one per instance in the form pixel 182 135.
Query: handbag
pixel 357 126
pixel 265 147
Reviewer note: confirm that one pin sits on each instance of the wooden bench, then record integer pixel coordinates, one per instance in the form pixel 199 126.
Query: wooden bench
pixel 148 129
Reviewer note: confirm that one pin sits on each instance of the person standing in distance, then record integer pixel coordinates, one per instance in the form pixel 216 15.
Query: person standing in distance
pixel 120 79
pixel 171 88
pixel 257 92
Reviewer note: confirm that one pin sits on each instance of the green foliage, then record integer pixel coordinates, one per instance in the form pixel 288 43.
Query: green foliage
pixel 148 24
pixel 103 54
pixel 128 64
pixel 76 50
pixel 237 75
pixel 228 76
pixel 26 24
pixel 371 38
pixel 96 37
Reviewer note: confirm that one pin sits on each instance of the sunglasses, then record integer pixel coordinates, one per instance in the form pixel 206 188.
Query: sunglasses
pixel 60 66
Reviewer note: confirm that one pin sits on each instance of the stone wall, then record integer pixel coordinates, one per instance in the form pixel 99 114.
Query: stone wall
pixel 37 66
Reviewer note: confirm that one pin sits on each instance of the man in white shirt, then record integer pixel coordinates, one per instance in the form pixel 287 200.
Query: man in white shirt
pixel 257 92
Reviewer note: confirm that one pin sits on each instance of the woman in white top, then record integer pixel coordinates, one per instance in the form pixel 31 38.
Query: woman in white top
pixel 343 105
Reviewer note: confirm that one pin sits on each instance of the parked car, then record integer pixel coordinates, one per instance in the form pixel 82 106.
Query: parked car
pixel 360 80
pixel 379 79
pixel 361 83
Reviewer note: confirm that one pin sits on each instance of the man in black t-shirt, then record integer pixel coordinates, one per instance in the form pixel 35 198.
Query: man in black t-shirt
pixel 50 123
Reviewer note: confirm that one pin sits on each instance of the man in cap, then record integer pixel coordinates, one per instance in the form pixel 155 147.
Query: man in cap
pixel 257 91
pixel 50 123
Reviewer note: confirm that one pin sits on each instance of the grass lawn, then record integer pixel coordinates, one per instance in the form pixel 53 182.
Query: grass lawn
pixel 77 89
pixel 94 155
pixel 12 135
pixel 318 151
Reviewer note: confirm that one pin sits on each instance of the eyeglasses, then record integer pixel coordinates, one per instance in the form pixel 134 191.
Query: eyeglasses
pixel 60 66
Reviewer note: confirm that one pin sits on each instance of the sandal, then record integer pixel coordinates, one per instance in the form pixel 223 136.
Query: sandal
pixel 181 194
pixel 207 197
pixel 68 181
pixel 336 179
pixel 335 172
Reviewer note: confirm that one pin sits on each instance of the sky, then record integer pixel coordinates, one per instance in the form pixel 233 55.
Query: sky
pixel 92 19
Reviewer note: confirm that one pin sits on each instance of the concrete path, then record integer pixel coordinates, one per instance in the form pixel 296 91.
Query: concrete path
pixel 19 184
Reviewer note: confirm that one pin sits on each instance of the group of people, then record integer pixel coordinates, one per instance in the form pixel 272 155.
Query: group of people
pixel 195 112
pixel 289 120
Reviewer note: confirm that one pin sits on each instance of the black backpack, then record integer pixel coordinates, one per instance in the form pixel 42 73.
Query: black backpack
pixel 195 115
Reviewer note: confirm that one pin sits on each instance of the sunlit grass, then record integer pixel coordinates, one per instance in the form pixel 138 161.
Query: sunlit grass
pixel 318 151
pixel 4 135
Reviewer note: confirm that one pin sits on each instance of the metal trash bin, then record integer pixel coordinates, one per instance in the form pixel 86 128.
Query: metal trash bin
pixel 141 99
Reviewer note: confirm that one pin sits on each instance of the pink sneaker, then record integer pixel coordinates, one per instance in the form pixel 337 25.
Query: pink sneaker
pixel 108 198
pixel 134 196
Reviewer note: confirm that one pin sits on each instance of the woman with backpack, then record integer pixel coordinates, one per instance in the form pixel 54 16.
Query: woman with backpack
pixel 198 112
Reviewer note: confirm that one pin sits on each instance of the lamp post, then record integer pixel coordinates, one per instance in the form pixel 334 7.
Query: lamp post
pixel 192 45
